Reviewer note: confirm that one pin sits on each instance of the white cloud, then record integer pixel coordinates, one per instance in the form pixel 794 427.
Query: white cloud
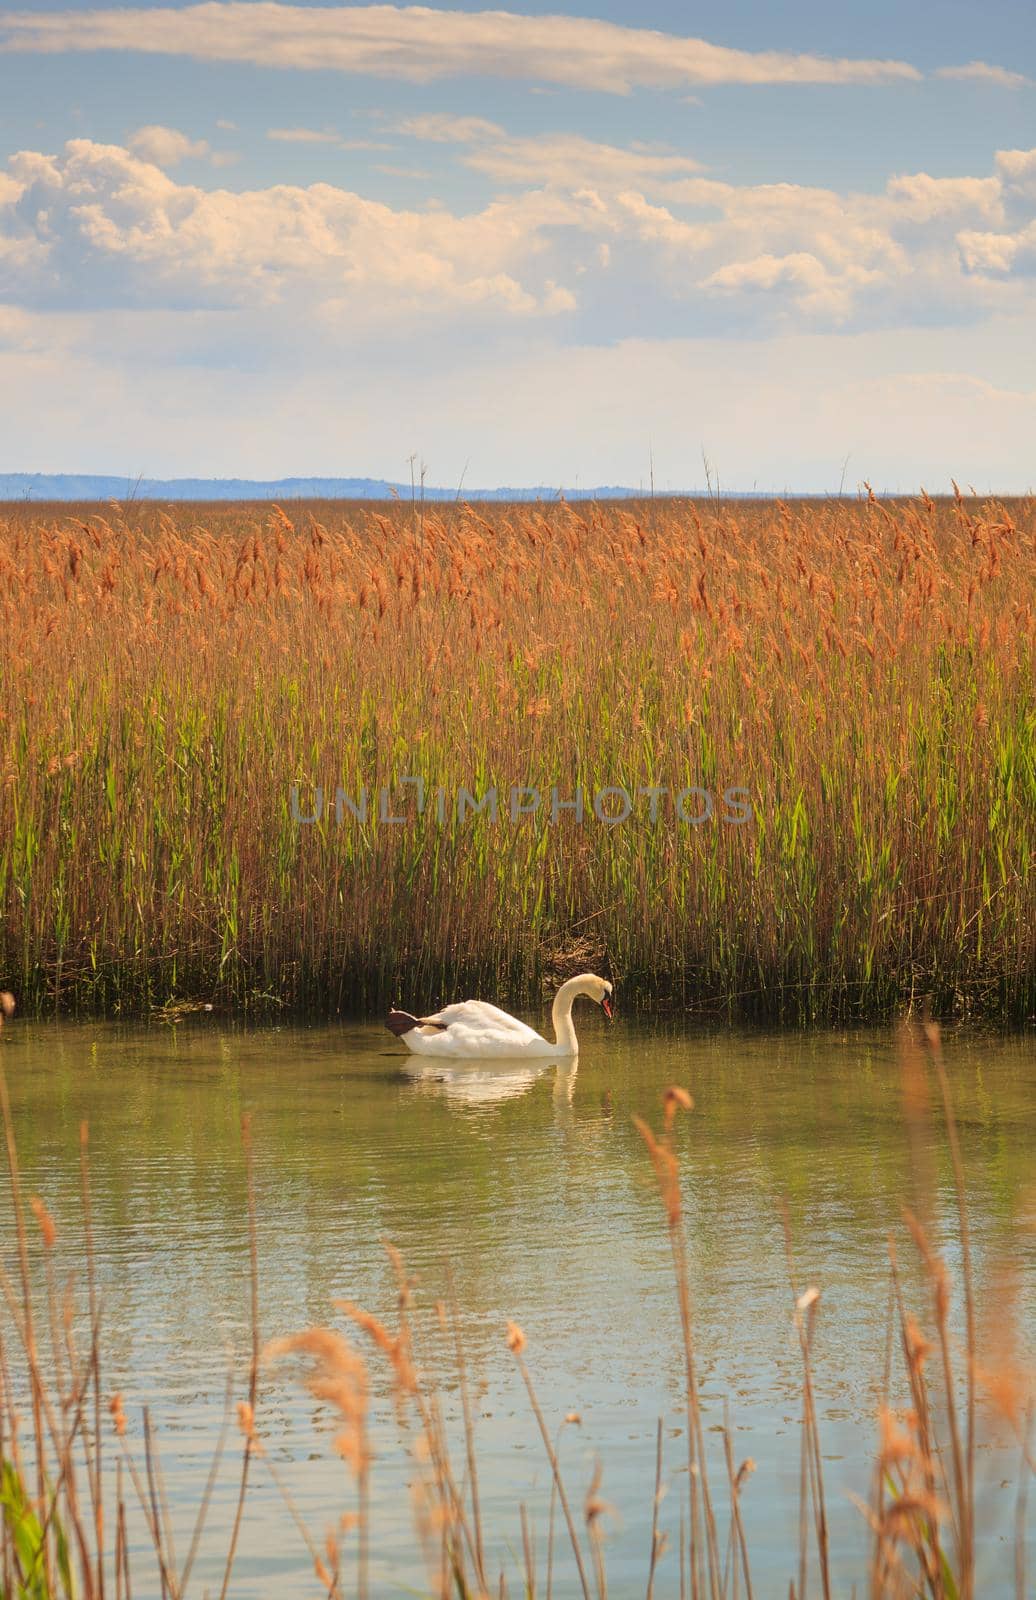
pixel 617 241
pixel 324 136
pixel 420 44
pixel 982 72
pixel 1017 170
pixel 574 162
pixel 777 251
pixel 987 252
pixel 166 147
pixel 393 171
pixel 303 135
pixel 440 128
pixel 924 199
pixel 98 226
pixel 815 287
pixel 1016 165
pixel 999 253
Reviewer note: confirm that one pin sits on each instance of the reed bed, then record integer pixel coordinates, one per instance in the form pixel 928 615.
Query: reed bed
pixel 81 1483
pixel 180 687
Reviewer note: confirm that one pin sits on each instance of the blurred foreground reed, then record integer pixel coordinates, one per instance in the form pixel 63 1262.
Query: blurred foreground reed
pixel 77 1496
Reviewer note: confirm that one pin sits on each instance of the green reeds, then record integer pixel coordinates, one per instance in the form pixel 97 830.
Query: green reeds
pixel 176 693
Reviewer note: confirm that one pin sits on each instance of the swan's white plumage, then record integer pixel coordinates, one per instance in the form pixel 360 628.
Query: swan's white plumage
pixel 476 1030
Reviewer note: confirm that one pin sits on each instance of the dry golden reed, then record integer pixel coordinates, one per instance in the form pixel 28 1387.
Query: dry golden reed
pixel 863 670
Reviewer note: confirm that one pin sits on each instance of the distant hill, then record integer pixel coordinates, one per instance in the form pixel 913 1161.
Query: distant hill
pixel 72 486
pixel 42 486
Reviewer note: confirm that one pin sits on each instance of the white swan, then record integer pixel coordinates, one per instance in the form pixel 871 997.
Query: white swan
pixel 475 1029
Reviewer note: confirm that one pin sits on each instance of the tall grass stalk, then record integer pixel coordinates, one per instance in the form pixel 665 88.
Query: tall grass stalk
pixel 864 671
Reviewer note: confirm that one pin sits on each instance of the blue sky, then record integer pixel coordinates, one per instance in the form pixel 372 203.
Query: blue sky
pixel 543 245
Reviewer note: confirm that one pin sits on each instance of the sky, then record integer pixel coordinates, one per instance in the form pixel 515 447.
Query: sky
pixel 792 247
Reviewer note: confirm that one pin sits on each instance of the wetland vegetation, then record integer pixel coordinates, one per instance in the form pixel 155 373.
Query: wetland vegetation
pixel 178 685
pixel 838 1395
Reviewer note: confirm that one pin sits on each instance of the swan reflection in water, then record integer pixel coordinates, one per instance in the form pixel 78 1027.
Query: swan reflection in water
pixel 487 1084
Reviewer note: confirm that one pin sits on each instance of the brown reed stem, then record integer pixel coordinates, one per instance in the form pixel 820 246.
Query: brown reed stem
pixel 555 1468
pixel 667 1176
pixel 146 1500
pixel 551 1519
pixel 295 1515
pixel 429 1411
pixel 469 1438
pixel 929 1558
pixel 528 1553
pixel 739 1542
pixel 95 1479
pixel 28 1330
pixel 656 1504
pixel 253 1371
pixel 66 1474
pixel 594 1510
pixel 967 1487
pixel 804 1308
pixel 5 1401
pixel 120 1533
pixel 210 1485
pixel 878 1491
pixel 167 1577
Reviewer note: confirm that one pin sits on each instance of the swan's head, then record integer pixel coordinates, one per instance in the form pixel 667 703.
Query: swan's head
pixel 598 989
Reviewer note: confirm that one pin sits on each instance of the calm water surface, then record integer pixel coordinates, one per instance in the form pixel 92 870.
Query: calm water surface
pixel 530 1187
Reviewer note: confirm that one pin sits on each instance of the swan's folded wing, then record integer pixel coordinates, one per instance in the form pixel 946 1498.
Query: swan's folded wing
pixel 485 1020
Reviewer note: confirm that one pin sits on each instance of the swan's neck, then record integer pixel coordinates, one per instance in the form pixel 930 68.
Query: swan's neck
pixel 561 1016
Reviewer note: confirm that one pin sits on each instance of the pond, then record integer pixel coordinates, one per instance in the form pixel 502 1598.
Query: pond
pixel 525 1194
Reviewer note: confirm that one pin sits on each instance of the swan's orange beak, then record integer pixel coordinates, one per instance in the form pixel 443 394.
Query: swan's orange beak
pixel 606 1006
